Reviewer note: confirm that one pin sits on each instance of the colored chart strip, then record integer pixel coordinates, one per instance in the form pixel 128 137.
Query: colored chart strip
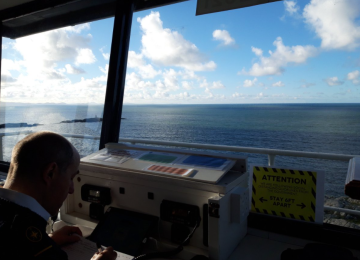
pixel 159 168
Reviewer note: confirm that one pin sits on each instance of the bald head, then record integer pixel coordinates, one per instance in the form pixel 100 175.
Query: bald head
pixel 43 166
pixel 33 154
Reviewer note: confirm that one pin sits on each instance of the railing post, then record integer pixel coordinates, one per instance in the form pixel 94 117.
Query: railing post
pixel 1 148
pixel 0 54
pixel 271 159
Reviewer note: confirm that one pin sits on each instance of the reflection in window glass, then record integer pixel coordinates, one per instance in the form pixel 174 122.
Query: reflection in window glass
pixel 279 75
pixel 55 81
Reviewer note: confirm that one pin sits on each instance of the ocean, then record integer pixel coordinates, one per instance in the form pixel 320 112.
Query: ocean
pixel 326 128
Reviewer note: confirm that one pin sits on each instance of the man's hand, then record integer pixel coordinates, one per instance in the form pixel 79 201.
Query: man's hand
pixel 65 235
pixel 107 254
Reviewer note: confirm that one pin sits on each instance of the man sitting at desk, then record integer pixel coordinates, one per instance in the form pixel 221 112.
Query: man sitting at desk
pixel 43 166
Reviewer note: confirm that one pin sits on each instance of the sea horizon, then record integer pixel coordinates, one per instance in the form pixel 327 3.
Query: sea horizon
pixel 309 127
pixel 179 104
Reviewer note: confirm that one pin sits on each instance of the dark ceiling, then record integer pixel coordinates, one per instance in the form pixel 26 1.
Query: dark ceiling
pixel 43 15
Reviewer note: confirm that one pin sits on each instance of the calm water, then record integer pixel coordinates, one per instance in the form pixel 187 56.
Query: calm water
pixel 328 128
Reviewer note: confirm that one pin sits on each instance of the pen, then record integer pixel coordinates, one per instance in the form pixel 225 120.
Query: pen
pixel 98 245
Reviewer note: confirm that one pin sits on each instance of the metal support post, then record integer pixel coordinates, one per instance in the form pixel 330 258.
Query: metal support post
pixel 110 129
pixel 1 148
pixel 271 159
pixel 4 167
pixel 0 55
pixel 1 137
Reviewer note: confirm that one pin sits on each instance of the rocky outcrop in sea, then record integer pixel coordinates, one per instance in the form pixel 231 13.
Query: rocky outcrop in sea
pixel 14 125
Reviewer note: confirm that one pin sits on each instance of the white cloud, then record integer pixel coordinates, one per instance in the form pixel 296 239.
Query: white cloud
pixel 89 83
pixel 41 52
pixel 170 80
pixel 183 95
pixel 291 7
pixel 7 65
pixel 354 76
pixel 217 85
pixel 148 71
pixel 169 48
pixel 39 78
pixel 73 70
pixel 334 22
pixel 77 28
pixel 283 56
pixel 238 95
pixel 137 62
pixel 5 78
pixel 4 47
pixel 55 91
pixel 188 74
pixel 105 70
pixel 105 54
pixel 261 95
pixel 163 89
pixel 278 84
pixel 85 56
pixel 307 85
pixel 204 84
pixel 135 82
pixel 53 75
pixel 249 83
pixel 224 36
pixel 146 96
pixel 213 85
pixel 186 85
pixel 333 81
pixel 208 91
pixel 257 51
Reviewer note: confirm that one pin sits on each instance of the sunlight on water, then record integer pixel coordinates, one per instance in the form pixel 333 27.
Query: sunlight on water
pixel 326 128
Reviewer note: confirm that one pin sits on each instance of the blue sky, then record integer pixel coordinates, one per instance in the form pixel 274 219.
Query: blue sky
pixel 282 52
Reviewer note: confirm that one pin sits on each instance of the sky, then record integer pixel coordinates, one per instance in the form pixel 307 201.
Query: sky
pixel 305 51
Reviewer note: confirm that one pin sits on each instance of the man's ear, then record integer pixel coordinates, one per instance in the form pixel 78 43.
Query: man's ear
pixel 49 172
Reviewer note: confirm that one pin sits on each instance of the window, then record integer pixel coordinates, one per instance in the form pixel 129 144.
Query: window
pixel 55 81
pixel 278 76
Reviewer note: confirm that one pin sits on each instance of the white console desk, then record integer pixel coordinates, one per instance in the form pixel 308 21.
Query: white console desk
pixel 256 245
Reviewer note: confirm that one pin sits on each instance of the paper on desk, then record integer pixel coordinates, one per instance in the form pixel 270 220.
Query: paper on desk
pixel 86 231
pixel 85 249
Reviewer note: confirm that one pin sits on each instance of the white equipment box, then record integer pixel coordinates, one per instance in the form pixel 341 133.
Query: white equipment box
pixel 140 178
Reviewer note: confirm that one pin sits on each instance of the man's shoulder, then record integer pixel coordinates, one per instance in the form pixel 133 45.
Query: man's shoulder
pixel 23 234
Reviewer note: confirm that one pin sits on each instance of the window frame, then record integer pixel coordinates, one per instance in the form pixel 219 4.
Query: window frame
pixel 110 132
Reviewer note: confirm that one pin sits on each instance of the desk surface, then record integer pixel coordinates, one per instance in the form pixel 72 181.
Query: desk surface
pixel 257 244
pixel 260 245
pixel 253 248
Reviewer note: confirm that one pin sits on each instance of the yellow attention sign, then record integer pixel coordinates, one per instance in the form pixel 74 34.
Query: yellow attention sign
pixel 284 193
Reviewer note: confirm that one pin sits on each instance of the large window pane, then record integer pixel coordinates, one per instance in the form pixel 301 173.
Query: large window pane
pixel 55 81
pixel 280 75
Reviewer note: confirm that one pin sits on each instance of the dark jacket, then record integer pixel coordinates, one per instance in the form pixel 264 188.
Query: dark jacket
pixel 23 236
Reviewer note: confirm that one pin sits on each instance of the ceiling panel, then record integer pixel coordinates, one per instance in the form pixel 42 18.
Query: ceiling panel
pixel 11 3
pixel 42 15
